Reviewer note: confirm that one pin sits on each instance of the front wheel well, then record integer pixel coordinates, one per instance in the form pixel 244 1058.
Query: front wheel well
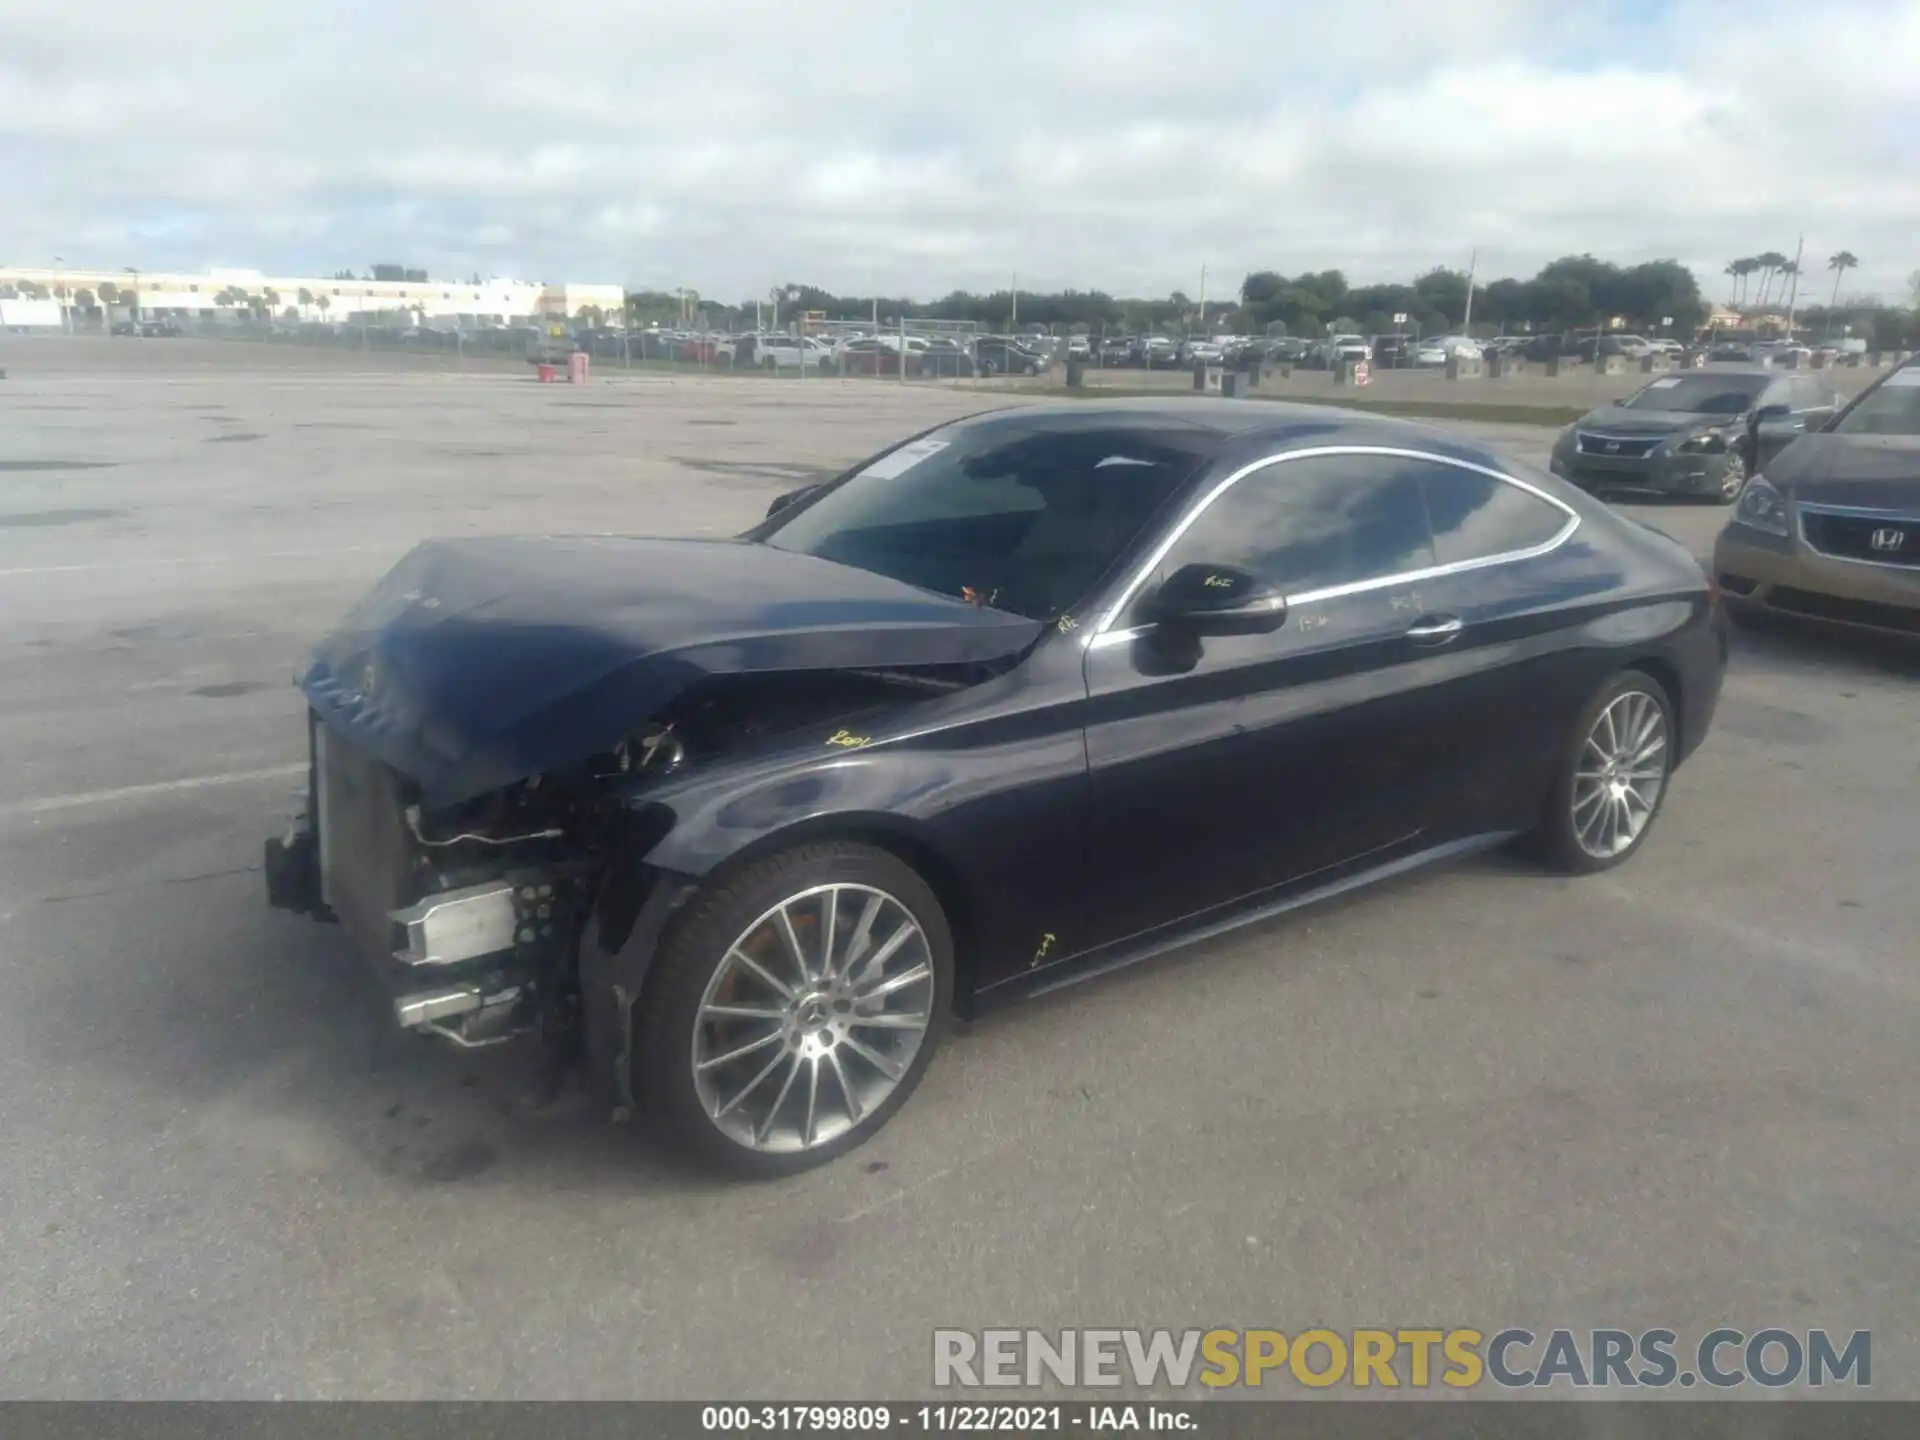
pixel 883 833
pixel 1669 679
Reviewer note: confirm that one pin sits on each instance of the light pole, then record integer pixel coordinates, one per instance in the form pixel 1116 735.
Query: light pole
pixel 60 292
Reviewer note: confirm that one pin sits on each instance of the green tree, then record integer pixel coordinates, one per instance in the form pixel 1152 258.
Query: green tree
pixel 1768 263
pixel 1840 263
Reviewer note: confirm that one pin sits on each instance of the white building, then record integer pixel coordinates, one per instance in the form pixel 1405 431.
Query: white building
pixel 242 294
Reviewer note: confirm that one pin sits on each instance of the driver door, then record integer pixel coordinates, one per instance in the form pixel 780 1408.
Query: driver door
pixel 1226 767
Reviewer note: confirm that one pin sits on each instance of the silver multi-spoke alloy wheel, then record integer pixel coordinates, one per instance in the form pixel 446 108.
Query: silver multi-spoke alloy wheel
pixel 1620 774
pixel 1734 479
pixel 812 1018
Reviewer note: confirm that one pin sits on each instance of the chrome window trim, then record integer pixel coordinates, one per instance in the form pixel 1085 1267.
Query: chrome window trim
pixel 1104 635
pixel 1851 512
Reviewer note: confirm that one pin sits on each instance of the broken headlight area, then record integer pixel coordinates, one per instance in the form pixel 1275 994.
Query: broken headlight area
pixel 469 915
pixel 472 913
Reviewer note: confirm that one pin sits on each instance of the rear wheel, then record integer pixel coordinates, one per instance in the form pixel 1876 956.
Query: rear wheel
pixel 795 1008
pixel 1612 777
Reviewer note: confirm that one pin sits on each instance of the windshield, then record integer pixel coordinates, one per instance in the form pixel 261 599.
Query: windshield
pixel 1701 394
pixel 1893 408
pixel 1025 515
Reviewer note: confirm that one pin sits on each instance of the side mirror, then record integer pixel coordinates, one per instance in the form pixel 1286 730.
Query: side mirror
pixel 792 497
pixel 1217 600
pixel 1619 400
pixel 1768 413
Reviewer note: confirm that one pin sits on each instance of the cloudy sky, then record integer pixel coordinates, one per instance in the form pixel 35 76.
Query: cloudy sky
pixel 919 146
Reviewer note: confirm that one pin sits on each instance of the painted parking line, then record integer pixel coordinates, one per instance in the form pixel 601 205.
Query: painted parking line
pixel 80 799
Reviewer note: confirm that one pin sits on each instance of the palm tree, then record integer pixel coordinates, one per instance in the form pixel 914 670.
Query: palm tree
pixel 306 301
pixel 1771 264
pixel 1737 274
pixel 1841 263
pixel 324 302
pixel 1744 267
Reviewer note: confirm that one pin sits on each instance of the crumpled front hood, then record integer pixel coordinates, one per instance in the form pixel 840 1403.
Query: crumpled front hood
pixel 1871 472
pixel 476 663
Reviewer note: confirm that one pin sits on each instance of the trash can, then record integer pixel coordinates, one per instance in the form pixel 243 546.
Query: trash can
pixel 577 368
pixel 1553 367
pixel 1233 384
pixel 547 373
pixel 1076 372
pixel 1496 364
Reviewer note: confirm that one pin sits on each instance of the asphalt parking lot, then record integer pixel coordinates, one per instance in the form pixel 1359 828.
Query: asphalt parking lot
pixel 1678 1095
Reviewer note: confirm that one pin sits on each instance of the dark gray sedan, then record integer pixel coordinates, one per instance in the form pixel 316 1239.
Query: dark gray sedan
pixel 1698 433
pixel 1831 531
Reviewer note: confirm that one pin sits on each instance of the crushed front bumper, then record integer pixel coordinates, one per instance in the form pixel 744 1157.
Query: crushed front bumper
pixel 468 956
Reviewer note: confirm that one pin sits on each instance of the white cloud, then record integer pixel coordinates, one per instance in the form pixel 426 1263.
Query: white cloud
pixel 1117 144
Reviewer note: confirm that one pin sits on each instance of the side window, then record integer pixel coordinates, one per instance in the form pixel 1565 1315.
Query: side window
pixel 1476 517
pixel 1312 524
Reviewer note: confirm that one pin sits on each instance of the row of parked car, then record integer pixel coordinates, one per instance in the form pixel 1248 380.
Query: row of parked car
pixel 851 353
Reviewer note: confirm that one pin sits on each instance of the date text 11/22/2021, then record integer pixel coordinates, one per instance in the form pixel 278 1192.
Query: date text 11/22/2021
pixel 960 1419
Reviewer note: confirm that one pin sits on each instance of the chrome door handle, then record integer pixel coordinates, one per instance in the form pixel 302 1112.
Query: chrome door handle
pixel 1435 631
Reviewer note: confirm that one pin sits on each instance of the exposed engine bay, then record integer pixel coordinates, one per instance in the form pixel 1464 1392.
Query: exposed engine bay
pixel 473 913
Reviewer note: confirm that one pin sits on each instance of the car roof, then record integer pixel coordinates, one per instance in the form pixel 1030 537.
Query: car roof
pixel 1274 422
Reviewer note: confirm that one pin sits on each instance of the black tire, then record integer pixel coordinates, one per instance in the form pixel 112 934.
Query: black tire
pixel 665 1017
pixel 1553 840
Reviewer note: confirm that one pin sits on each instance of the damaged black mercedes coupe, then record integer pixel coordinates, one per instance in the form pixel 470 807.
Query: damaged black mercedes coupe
pixel 738 824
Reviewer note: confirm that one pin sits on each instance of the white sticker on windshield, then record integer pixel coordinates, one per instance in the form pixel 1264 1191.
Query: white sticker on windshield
pixel 1666 384
pixel 903 459
pixel 1908 375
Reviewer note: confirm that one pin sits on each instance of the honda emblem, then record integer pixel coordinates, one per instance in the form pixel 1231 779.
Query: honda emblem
pixel 1887 539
